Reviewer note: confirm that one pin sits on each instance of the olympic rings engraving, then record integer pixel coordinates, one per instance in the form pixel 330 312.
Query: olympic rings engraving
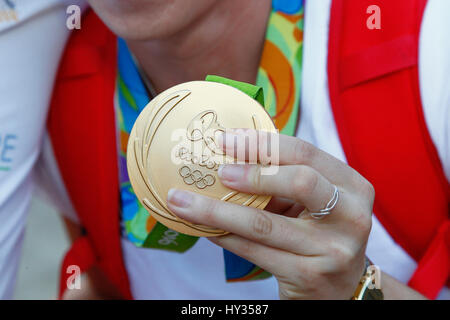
pixel 196 177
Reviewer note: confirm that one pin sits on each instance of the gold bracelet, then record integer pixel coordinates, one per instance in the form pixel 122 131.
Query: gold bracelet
pixel 367 289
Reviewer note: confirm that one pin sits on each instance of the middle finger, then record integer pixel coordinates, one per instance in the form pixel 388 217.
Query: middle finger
pixel 299 183
pixel 290 234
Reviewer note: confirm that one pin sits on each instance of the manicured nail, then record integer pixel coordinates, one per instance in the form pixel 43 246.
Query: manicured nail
pixel 179 198
pixel 227 139
pixel 221 139
pixel 230 172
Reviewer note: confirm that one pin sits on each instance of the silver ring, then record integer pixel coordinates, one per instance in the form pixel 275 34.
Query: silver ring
pixel 330 206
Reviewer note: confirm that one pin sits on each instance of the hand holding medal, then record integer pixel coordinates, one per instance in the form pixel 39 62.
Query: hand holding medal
pixel 210 197
pixel 174 144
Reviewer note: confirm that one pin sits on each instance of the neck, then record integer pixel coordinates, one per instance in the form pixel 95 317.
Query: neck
pixel 226 41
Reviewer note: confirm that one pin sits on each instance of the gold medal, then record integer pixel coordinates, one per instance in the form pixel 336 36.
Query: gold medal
pixel 173 144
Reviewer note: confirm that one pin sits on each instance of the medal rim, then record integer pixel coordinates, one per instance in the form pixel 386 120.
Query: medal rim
pixel 148 114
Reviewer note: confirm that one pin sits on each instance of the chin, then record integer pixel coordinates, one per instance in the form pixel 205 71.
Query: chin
pixel 149 19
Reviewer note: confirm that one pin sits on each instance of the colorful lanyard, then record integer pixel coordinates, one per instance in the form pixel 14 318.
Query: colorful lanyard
pixel 279 75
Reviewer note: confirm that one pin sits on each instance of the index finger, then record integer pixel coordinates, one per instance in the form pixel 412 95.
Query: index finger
pixel 252 146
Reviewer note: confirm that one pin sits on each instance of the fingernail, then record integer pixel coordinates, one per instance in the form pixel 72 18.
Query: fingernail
pixel 227 139
pixel 179 198
pixel 230 172
pixel 221 140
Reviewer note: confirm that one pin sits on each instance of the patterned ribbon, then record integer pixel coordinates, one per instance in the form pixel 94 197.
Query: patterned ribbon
pixel 280 77
pixel 280 71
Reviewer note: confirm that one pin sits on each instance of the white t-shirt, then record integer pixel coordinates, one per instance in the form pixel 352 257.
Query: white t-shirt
pixel 32 37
